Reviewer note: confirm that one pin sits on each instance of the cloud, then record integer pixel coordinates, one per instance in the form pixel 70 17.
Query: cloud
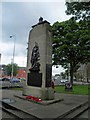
pixel 18 17
pixel 32 0
pixel 21 61
pixel 0 20
pixel 6 49
pixel 57 70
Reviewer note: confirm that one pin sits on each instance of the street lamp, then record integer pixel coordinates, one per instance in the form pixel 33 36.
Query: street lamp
pixel 13 53
pixel 0 66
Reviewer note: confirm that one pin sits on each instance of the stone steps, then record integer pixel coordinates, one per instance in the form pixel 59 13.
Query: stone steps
pixel 7 114
pixel 74 113
pixel 20 114
pixel 77 112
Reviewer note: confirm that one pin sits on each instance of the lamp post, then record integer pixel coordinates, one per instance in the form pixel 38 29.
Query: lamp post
pixel 13 53
pixel 0 66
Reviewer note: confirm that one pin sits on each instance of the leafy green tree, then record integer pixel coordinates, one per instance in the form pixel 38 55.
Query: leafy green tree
pixel 9 69
pixel 4 67
pixel 79 10
pixel 71 45
pixel 71 39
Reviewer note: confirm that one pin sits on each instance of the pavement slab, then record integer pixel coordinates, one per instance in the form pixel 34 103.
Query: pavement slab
pixel 56 109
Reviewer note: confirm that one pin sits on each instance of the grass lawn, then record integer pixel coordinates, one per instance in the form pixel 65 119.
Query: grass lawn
pixel 77 89
pixel 16 88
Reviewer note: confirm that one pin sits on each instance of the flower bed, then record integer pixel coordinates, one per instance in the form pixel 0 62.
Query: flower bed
pixel 34 98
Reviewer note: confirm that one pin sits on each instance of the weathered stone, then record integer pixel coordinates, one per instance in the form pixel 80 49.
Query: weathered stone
pixel 39 67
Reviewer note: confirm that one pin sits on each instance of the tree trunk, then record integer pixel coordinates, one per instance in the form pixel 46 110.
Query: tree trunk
pixel 71 73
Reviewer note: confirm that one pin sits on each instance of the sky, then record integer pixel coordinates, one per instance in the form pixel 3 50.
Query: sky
pixel 17 18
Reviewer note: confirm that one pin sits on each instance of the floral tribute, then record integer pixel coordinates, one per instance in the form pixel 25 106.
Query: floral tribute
pixel 34 98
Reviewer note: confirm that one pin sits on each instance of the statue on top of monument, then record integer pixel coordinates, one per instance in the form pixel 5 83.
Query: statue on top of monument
pixel 40 19
pixel 35 57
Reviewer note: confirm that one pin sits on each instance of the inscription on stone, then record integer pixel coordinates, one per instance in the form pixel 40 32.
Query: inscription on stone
pixel 48 75
pixel 34 79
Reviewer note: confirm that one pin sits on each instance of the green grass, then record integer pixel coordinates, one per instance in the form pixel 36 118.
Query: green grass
pixel 16 88
pixel 77 89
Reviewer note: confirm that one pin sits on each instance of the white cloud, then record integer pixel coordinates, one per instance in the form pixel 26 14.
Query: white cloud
pixel 33 0
pixel 21 60
pixel 18 17
pixel 57 70
pixel 7 50
pixel 0 21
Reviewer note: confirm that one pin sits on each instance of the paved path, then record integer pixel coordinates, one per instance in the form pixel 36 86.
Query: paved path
pixel 49 111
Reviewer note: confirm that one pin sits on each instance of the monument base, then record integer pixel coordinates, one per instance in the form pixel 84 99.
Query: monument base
pixel 43 93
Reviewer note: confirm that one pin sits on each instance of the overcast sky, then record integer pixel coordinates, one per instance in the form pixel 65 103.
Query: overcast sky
pixel 16 18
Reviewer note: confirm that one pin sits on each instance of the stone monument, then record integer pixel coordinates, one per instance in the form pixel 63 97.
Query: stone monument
pixel 39 62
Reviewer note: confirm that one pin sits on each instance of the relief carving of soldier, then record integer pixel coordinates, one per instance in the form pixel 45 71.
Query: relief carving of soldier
pixel 35 57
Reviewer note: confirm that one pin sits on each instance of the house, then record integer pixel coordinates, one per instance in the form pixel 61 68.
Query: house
pixel 21 73
pixel 83 73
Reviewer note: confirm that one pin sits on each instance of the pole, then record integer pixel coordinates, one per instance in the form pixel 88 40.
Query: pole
pixel 0 67
pixel 12 68
pixel 13 54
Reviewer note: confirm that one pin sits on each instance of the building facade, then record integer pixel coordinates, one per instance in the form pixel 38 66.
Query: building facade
pixel 83 73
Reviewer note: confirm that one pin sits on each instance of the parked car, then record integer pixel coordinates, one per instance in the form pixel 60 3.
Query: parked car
pixel 64 81
pixel 5 79
pixel 15 82
pixel 5 83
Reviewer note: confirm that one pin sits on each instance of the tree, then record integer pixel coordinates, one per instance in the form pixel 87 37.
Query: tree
pixel 4 67
pixel 71 45
pixel 9 69
pixel 79 10
pixel 71 39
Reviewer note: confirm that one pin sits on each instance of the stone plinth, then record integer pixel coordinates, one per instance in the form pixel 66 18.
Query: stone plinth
pixel 43 93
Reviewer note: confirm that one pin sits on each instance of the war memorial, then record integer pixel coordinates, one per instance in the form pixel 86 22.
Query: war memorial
pixel 39 61
pixel 38 100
